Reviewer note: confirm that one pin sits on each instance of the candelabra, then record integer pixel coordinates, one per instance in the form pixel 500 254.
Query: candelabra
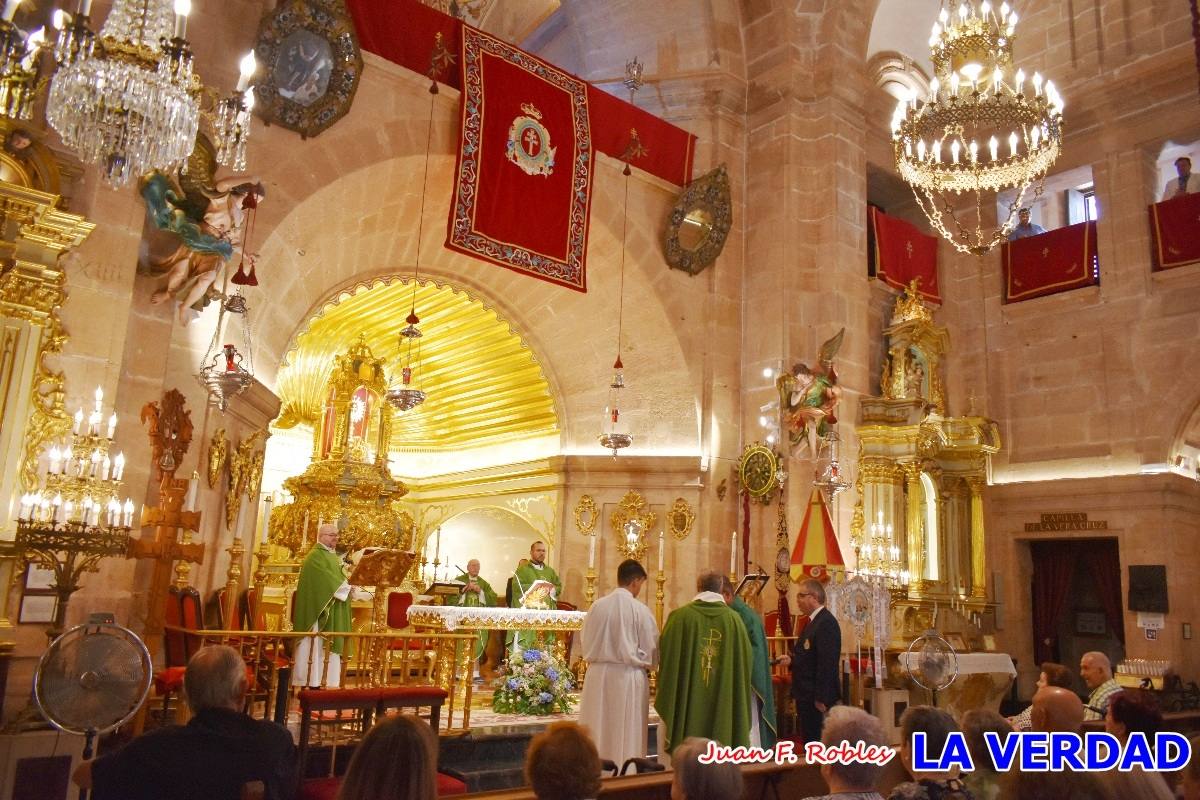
pixel 74 520
pixel 878 558
pixel 659 579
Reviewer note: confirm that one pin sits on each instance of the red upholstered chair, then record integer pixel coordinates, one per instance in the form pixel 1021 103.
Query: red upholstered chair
pixel 397 609
pixel 168 681
pixel 191 618
pixel 332 722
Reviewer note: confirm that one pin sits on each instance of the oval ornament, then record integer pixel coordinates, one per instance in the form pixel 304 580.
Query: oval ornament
pixel 699 223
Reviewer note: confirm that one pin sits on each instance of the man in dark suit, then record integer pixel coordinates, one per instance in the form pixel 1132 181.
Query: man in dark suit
pixel 816 683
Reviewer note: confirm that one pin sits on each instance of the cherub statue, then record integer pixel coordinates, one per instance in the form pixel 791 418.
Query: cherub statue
pixel 198 223
pixel 809 398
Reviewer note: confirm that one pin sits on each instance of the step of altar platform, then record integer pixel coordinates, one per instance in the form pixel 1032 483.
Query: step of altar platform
pixel 493 757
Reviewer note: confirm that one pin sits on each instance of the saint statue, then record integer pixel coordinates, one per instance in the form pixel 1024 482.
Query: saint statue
pixel 809 398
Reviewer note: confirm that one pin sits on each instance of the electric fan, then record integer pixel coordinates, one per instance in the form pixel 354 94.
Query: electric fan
pixel 92 679
pixel 932 663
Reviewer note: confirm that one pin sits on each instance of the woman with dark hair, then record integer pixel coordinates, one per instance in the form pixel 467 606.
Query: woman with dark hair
pixel 396 761
pixel 1052 674
pixel 562 763
pixel 1133 711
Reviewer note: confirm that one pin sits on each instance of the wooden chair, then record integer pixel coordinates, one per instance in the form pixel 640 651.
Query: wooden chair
pixel 332 723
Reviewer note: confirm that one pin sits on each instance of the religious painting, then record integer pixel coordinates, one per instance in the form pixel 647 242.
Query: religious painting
pixel 312 65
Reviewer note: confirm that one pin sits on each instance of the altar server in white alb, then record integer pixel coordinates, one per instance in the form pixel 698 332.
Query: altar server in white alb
pixel 620 642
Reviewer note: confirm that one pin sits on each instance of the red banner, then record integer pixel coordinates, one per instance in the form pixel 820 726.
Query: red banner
pixel 1175 225
pixel 524 176
pixel 902 253
pixel 403 31
pixel 1056 261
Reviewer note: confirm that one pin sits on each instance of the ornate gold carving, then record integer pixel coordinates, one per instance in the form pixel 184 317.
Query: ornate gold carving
pixel 254 482
pixel 909 306
pixel 170 432
pixel 758 471
pixel 680 519
pixel 699 223
pixel 218 452
pixel 586 515
pixel 241 475
pixel 631 523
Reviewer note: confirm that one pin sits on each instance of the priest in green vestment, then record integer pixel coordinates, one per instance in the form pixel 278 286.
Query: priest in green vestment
pixel 760 682
pixel 321 604
pixel 704 671
pixel 476 592
pixel 524 579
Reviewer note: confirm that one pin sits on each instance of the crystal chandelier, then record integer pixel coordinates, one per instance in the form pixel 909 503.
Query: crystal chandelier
pixel 980 129
pixel 878 557
pixel 127 99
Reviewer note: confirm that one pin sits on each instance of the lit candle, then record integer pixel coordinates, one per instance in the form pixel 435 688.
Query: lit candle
pixel 26 502
pixel 68 508
pixel 93 423
pixel 954 83
pixel 954 150
pixel 99 398
pixel 1020 79
pixel 934 87
pixel 112 517
pixel 105 468
pixel 85 7
pixel 1037 83
pixel 112 425
pixel 182 9
pixel 246 68
pixel 994 147
pixel 119 466
pixel 937 151
pixel 997 77
pixel 128 520
pixel 661 550
pixel 733 554
pixel 1012 144
pixel 78 420
pixel 591 552
pixel 1035 137
pixel 10 9
pixel 55 460
pixel 95 465
pixel 437 547
pixel 921 150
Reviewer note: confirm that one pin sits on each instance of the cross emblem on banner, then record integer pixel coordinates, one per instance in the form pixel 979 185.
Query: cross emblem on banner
pixel 532 142
pixel 908 248
pixel 709 653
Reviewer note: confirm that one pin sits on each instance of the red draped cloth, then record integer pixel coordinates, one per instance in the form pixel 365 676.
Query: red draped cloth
pixel 902 253
pixel 1053 568
pixel 1051 262
pixel 1175 225
pixel 525 161
pixel 402 31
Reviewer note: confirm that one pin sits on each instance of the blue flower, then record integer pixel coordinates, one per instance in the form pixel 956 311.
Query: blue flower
pixel 533 655
pixel 552 673
pixel 512 683
pixel 545 697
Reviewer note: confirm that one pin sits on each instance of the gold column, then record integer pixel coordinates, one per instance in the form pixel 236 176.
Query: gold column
pixel 978 553
pixel 912 526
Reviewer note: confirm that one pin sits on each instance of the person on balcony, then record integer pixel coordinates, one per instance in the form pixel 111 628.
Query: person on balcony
pixel 1185 183
pixel 1025 228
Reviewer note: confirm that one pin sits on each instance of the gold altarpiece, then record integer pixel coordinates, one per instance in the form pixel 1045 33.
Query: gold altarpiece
pixel 34 233
pixel 923 473
pixel 348 481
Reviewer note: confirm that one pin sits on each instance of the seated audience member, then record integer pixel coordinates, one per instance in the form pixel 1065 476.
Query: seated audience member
pixel 1133 710
pixel 562 763
pixel 1056 709
pixel 1096 671
pixel 1052 674
pixel 212 757
pixel 1065 785
pixel 937 725
pixel 397 760
pixel 695 781
pixel 984 782
pixel 856 781
pixel 1189 784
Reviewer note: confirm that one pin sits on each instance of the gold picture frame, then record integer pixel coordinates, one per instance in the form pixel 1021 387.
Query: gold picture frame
pixel 680 519
pixel 586 515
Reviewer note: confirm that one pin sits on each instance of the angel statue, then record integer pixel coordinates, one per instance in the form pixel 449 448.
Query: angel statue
pixel 809 398
pixel 197 224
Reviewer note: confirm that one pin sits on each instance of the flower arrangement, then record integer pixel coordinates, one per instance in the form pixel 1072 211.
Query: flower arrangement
pixel 534 682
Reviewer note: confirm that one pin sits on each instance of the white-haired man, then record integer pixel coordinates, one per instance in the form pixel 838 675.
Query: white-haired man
pixel 322 604
pixel 220 753
pixel 1096 671
pixel 855 780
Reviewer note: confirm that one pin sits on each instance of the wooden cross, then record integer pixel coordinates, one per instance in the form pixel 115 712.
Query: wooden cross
pixel 170 434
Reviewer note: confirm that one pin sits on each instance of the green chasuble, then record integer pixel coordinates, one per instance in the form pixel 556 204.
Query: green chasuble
pixel 471 599
pixel 524 578
pixel 760 682
pixel 704 675
pixel 320 576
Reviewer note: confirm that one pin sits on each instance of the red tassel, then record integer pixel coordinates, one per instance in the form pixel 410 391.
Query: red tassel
pixel 240 278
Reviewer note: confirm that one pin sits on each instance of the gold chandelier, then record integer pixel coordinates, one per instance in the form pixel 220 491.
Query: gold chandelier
pixel 980 128
pixel 127 99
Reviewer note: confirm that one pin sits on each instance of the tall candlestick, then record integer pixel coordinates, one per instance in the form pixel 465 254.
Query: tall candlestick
pixel 661 548
pixel 189 502
pixel 268 501
pixel 591 552
pixel 182 9
pixel 85 7
pixel 437 547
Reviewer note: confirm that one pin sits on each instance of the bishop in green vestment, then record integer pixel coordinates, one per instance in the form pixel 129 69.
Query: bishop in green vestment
pixel 321 604
pixel 523 579
pixel 704 671
pixel 760 681
pixel 476 592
